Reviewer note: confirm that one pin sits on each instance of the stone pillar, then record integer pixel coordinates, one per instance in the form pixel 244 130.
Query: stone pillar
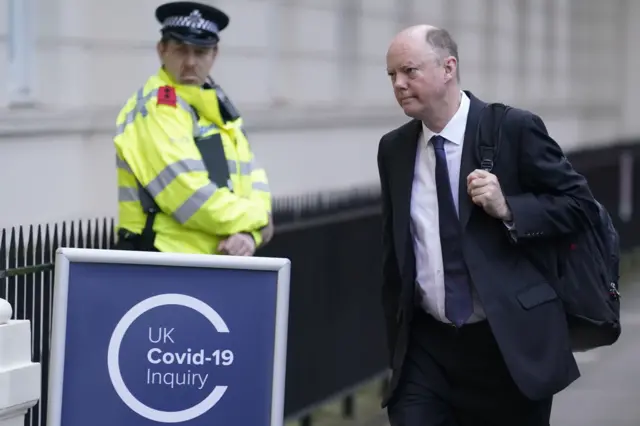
pixel 19 377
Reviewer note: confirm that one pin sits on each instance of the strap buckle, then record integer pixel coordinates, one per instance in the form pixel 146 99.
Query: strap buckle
pixel 487 158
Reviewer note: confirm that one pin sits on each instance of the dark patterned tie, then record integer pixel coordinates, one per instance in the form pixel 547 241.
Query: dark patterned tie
pixel 458 301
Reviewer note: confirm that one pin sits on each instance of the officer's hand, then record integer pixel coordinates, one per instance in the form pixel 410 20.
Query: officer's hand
pixel 238 245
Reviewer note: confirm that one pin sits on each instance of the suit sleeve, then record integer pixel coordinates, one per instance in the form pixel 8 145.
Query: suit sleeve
pixel 558 200
pixel 391 281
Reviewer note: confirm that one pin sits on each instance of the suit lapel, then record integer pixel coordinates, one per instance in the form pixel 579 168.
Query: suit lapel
pixel 468 161
pixel 405 163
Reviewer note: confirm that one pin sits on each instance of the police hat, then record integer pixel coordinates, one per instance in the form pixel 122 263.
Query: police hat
pixel 192 23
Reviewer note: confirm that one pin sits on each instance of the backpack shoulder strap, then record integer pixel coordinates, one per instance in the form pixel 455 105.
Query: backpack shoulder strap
pixel 489 133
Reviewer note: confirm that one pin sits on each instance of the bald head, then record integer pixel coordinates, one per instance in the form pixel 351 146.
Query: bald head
pixel 416 33
pixel 433 40
pixel 422 62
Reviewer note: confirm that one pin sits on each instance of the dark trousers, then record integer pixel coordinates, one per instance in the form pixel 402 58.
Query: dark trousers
pixel 457 377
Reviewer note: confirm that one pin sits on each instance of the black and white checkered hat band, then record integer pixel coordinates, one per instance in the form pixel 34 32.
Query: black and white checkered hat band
pixel 190 22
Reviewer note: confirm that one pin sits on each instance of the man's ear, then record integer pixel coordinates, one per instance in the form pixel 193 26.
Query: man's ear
pixel 450 67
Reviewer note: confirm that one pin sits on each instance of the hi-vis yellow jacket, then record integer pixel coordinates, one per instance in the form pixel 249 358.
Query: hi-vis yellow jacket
pixel 158 132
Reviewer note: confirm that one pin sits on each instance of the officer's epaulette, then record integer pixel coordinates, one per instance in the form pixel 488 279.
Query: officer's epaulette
pixel 167 96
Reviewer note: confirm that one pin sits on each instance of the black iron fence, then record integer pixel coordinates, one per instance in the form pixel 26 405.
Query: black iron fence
pixel 332 242
pixel 336 336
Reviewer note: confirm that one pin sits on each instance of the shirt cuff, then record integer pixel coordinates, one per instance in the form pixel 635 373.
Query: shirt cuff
pixel 257 237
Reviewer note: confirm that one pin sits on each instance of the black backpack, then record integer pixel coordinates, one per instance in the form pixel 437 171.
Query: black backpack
pixel 588 285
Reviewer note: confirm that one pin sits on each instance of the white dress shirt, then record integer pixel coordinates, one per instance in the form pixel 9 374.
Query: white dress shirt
pixel 424 225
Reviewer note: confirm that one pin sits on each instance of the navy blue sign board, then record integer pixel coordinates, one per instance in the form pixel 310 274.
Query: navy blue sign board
pixel 142 338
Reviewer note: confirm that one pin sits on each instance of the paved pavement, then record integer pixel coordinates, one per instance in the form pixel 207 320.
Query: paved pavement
pixel 607 394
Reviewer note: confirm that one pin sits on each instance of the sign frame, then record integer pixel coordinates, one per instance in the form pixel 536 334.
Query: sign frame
pixel 65 256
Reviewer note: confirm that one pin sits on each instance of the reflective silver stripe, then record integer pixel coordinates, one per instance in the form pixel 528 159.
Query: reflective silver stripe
pixel 260 186
pixel 203 130
pixel 170 172
pixel 246 167
pixel 127 193
pixel 141 108
pixel 123 165
pixel 194 203
pixel 194 116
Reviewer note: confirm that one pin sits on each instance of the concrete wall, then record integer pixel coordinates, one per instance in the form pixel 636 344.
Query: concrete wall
pixel 309 76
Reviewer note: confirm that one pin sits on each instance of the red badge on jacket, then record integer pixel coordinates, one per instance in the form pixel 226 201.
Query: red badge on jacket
pixel 167 96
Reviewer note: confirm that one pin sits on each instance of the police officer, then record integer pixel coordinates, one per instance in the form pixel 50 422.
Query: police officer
pixel 188 180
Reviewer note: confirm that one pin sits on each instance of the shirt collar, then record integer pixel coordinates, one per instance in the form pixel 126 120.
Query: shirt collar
pixel 455 128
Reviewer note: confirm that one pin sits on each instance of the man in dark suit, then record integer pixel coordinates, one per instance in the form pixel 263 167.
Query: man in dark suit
pixel 477 336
